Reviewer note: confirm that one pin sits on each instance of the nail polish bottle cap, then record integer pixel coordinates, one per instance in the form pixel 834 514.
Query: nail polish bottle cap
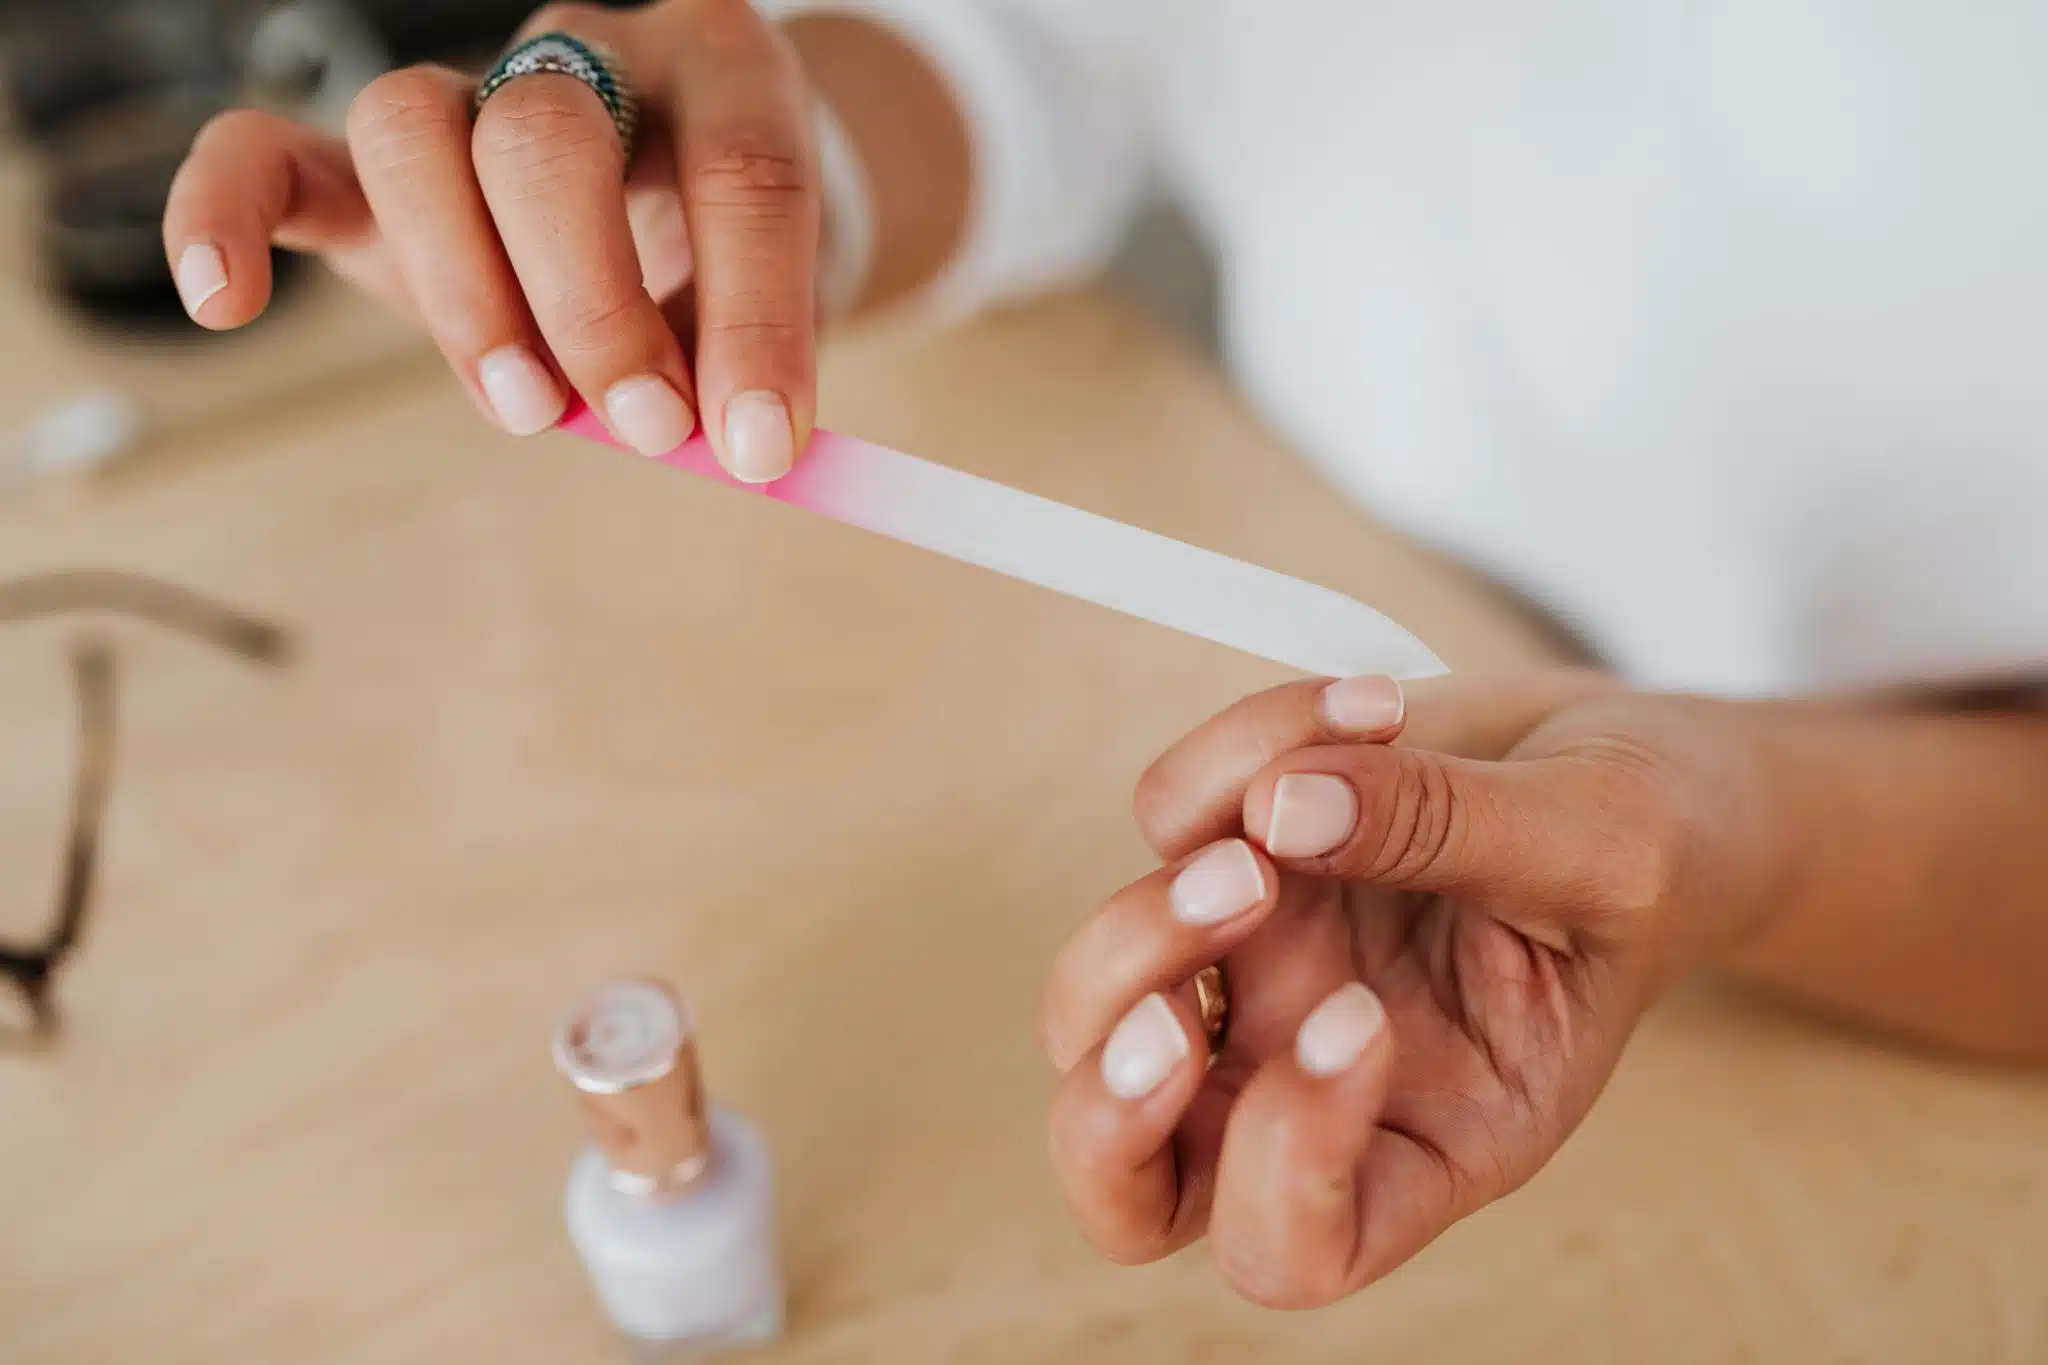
pixel 630 1049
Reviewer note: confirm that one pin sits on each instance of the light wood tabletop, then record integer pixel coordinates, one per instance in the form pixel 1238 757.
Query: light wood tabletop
pixel 556 713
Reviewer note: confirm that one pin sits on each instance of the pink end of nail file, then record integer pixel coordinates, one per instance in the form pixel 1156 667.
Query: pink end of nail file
pixel 1077 553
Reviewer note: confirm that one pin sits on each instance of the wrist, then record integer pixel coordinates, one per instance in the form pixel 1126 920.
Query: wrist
pixel 1768 815
pixel 903 131
pixel 1729 861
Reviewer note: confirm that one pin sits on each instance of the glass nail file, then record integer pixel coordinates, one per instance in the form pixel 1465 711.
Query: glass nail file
pixel 1080 554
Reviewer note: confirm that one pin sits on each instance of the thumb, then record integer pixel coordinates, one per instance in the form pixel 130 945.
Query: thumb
pixel 1541 844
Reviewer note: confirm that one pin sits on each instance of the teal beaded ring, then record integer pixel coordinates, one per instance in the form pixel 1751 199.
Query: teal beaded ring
pixel 564 54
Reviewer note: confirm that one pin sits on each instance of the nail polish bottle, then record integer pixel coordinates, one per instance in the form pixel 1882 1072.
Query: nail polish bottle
pixel 671 1207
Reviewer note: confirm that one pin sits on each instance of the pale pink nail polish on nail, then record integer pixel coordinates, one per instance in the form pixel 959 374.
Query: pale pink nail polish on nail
pixel 648 414
pixel 202 272
pixel 1313 813
pixel 1363 706
pixel 758 438
pixel 1143 1049
pixel 520 390
pixel 1221 884
pixel 1338 1031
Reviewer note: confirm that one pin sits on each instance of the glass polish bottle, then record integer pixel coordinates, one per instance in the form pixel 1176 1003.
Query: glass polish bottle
pixel 671 1206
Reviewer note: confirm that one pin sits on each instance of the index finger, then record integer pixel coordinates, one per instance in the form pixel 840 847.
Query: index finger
pixel 1193 794
pixel 251 180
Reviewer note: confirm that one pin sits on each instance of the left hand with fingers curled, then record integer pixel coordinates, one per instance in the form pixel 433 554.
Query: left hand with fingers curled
pixel 1435 952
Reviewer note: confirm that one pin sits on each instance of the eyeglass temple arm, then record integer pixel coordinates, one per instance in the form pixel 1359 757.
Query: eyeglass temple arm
pixel 93 668
pixel 145 599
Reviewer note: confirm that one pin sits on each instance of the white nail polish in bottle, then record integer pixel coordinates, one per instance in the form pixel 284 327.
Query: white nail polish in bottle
pixel 672 1205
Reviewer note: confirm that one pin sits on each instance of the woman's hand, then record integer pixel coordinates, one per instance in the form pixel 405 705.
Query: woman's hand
pixel 1434 954
pixel 540 262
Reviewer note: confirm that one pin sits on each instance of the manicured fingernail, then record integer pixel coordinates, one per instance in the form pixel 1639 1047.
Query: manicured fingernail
pixel 1224 882
pixel 648 414
pixel 758 439
pixel 202 273
pixel 1363 706
pixel 520 389
pixel 1312 814
pixel 1143 1049
pixel 1338 1031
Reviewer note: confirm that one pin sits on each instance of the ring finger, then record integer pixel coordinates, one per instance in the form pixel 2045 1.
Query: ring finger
pixel 553 173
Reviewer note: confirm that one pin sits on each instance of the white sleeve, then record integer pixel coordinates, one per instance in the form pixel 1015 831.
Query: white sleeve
pixel 1059 162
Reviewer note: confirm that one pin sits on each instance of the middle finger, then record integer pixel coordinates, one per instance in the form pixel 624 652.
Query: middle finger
pixel 1153 935
pixel 554 173
pixel 409 135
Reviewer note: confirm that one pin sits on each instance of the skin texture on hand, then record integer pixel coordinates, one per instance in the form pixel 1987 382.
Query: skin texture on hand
pixel 1441 922
pixel 1432 973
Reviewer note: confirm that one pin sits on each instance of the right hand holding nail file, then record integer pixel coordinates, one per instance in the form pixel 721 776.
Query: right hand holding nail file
pixel 1077 553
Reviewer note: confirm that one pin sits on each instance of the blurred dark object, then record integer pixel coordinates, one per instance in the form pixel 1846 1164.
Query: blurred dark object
pixel 452 30
pixel 143 599
pixel 419 30
pixel 33 967
pixel 111 93
pixel 67 60
pixel 137 46
pixel 103 221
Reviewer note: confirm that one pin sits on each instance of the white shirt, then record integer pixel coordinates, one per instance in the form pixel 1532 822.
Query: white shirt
pixel 1719 327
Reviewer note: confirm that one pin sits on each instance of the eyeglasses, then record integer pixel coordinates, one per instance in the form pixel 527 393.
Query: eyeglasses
pixel 33 968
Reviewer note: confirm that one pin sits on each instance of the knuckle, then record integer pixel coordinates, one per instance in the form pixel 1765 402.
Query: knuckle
pixel 1125 1239
pixel 237 163
pixel 757 170
pixel 1153 805
pixel 1070 1155
pixel 1052 1033
pixel 1051 1046
pixel 393 113
pixel 591 320
pixel 1268 1281
pixel 752 331
pixel 546 129
pixel 466 321
pixel 1276 721
pixel 1134 1247
pixel 1234 744
pixel 1419 823
pixel 1120 1234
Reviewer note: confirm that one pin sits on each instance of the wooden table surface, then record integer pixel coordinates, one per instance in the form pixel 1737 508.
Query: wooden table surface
pixel 557 714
